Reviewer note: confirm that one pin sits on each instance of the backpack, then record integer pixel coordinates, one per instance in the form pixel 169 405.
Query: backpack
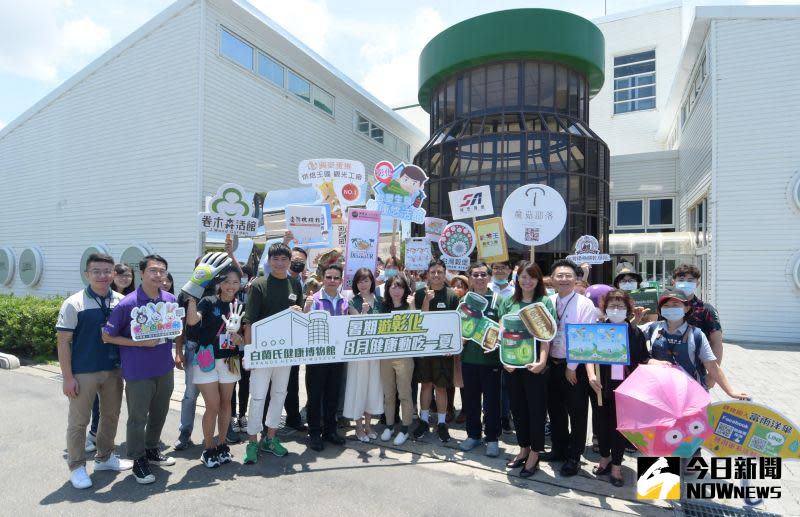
pixel 700 371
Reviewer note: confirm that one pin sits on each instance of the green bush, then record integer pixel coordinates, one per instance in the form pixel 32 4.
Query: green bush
pixel 28 325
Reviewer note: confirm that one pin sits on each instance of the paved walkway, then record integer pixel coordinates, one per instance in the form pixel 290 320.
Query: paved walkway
pixel 767 373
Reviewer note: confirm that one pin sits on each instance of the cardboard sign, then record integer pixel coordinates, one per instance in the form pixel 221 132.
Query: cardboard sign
pixel 310 224
pixel 471 202
pixel 290 337
pixel 456 243
pixel 587 250
pixel 229 212
pixel 491 241
pixel 418 254
pixel 518 347
pixel 434 228
pixel 341 183
pixel 157 321
pixel 475 326
pixel 742 428
pixel 534 214
pixel 363 230
pixel 399 194
pixel 598 343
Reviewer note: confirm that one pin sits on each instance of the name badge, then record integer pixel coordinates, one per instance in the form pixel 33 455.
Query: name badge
pixel 225 342
pixel 293 297
pixel 440 305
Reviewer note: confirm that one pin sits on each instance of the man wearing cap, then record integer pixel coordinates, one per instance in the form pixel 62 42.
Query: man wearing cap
pixel 702 315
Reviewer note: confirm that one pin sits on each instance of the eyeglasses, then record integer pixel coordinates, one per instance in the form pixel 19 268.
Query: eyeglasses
pixel 101 272
pixel 125 275
pixel 333 278
pixel 155 271
pixel 479 275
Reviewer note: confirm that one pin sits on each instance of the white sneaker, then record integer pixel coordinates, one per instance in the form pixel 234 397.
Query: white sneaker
pixel 401 438
pixel 386 435
pixel 235 426
pixel 113 463
pixel 80 478
pixel 243 424
pixel 91 444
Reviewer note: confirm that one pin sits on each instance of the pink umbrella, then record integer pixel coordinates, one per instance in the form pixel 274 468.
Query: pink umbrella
pixel 663 411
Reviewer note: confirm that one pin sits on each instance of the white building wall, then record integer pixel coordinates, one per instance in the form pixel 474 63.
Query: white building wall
pixel 756 155
pixel 636 176
pixel 659 29
pixel 119 141
pixel 695 156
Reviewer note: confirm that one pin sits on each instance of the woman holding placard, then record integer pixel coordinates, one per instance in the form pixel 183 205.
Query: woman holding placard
pixel 617 307
pixel 363 396
pixel 527 386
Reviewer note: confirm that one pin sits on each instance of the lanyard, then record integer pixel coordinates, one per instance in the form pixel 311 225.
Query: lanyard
pixel 566 306
pixel 101 302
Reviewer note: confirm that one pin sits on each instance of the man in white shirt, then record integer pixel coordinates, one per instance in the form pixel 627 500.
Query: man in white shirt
pixel 501 283
pixel 568 395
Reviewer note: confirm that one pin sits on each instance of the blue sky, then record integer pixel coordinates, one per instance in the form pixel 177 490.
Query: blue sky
pixel 44 42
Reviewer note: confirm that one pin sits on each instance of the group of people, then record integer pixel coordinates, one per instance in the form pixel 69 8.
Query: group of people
pixel 222 300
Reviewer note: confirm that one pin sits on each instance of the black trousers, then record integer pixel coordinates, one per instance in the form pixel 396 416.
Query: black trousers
pixel 568 407
pixel 243 395
pixel 323 396
pixel 528 396
pixel 481 382
pixel 610 441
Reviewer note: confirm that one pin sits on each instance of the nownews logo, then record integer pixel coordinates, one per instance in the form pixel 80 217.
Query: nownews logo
pixel 724 478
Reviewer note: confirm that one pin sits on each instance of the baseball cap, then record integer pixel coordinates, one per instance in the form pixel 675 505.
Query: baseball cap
pixel 672 294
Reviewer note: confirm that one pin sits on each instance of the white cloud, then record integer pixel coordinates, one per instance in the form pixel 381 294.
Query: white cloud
pixel 310 21
pixel 2 124
pixel 44 40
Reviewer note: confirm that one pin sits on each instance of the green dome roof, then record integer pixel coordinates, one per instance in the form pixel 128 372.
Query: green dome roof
pixel 543 34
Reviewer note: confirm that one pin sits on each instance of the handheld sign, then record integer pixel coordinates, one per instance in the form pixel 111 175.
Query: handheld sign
pixel 363 231
pixel 310 224
pixel 229 212
pixel 534 214
pixel 160 320
pixel 417 254
pixel 491 241
pixel 399 194
pixel 433 228
pixel 598 343
pixel 471 202
pixel 340 183
pixel 587 250
pixel 456 243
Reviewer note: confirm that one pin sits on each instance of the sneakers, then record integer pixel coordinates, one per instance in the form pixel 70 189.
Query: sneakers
pixel 235 425
pixel 155 457
pixel 233 435
pixel 224 454
pixel 113 463
pixel 243 424
pixel 210 459
pixel 401 438
pixel 80 478
pixel 274 446
pixel 251 453
pixel 444 434
pixel 91 442
pixel 183 442
pixel 492 449
pixel 469 444
pixel 386 435
pixel 422 428
pixel 141 471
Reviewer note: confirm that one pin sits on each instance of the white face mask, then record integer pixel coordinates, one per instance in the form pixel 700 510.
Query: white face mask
pixel 673 313
pixel 628 285
pixel 688 288
pixel 616 315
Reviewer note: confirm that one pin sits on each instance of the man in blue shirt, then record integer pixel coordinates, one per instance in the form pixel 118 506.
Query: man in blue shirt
pixel 90 368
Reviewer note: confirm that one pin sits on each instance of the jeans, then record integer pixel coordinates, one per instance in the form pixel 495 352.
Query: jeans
pixel 189 401
pixel 482 382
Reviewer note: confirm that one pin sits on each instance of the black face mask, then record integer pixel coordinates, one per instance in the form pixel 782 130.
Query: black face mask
pixel 297 267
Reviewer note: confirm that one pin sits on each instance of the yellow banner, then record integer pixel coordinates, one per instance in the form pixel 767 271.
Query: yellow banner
pixel 743 428
pixel 491 240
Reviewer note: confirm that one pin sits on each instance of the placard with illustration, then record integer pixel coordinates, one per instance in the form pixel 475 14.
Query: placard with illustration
pixel 534 214
pixel 518 347
pixel 417 254
pixel 598 343
pixel 399 191
pixel 456 243
pixel 161 320
pixel 229 211
pixel 491 240
pixel 363 231
pixel 310 224
pixel 340 183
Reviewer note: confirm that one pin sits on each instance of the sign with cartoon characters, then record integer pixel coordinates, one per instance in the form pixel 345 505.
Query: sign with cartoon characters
pixel 229 212
pixel 310 225
pixel 341 183
pixel 492 246
pixel 456 243
pixel 598 343
pixel 417 254
pixel 361 250
pixel 743 428
pixel 471 202
pixel 160 320
pixel 587 250
pixel 291 337
pixel 534 214
pixel 399 192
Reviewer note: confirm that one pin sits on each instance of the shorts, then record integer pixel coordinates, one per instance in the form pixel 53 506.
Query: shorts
pixel 221 373
pixel 437 369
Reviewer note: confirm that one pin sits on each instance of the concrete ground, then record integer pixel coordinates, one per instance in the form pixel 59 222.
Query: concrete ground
pixel 418 478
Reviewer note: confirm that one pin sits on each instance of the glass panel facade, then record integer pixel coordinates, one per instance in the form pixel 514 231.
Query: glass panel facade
pixel 324 101
pixel 233 48
pixel 660 212
pixel 270 70
pixel 299 86
pixel 629 213
pixel 632 75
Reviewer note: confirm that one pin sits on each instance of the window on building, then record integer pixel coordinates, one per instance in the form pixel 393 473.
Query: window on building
pixel 694 88
pixel 659 212
pixel 635 82
pixel 299 86
pixel 235 49
pixel 323 100
pixel 270 70
pixel 629 213
pixel 377 134
pixel 698 222
pixel 362 124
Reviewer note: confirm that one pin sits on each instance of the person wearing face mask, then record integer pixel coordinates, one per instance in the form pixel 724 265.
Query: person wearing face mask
pixel 629 280
pixel 702 315
pixel 391 268
pixel 501 279
pixel 617 307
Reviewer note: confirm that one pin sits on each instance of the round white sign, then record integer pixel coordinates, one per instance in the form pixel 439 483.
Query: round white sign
pixel 534 214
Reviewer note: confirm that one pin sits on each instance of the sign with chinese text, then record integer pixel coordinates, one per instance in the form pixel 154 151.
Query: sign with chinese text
pixel 399 194
pixel 587 250
pixel 742 428
pixel 433 228
pixel 290 337
pixel 363 230
pixel 418 254
pixel 340 183
pixel 598 343
pixel 471 202
pixel 456 243
pixel 491 240
pixel 310 224
pixel 157 321
pixel 534 214
pixel 229 212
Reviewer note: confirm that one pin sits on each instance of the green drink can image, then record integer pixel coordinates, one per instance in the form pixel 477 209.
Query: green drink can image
pixel 517 345
pixel 471 312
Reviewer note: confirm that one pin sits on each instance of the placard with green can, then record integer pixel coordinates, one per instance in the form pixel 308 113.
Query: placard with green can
pixel 518 347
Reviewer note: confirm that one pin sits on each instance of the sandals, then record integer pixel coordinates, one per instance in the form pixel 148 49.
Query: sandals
pixel 515 464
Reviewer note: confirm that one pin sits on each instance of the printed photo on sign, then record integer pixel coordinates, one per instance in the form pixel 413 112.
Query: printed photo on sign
pixel 417 254
pixel 598 343
pixel 310 225
pixel 587 250
pixel 290 337
pixel 229 211
pixel 456 243
pixel 341 183
pixel 156 321
pixel 491 240
pixel 399 194
pixel 471 202
pixel 363 232
pixel 534 214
